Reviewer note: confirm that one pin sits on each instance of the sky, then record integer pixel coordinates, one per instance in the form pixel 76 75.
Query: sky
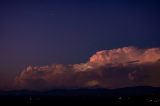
pixel 42 32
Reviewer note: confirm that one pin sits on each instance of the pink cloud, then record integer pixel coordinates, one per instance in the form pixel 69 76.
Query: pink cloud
pixel 122 67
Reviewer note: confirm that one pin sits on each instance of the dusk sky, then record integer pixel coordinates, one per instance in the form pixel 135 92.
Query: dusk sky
pixel 44 32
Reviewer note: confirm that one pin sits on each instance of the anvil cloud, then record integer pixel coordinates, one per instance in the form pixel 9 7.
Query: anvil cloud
pixel 116 68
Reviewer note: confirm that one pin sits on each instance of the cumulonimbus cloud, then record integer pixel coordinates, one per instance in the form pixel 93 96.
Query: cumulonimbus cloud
pixel 116 68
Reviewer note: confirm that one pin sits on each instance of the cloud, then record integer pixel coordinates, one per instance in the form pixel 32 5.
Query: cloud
pixel 125 55
pixel 116 68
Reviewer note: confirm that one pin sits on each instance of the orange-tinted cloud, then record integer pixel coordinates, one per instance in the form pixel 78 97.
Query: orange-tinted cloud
pixel 126 55
pixel 122 67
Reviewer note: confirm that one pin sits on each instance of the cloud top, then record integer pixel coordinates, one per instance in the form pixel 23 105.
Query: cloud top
pixel 126 55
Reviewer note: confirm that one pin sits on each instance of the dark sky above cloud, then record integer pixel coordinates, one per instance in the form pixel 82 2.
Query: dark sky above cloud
pixel 40 32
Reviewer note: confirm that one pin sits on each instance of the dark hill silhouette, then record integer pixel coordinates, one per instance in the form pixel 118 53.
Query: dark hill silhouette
pixel 142 94
pixel 128 91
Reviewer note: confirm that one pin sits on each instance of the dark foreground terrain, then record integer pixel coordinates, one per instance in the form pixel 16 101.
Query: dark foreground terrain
pixel 131 95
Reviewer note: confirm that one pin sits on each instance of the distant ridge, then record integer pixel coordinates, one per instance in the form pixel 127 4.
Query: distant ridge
pixel 128 91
